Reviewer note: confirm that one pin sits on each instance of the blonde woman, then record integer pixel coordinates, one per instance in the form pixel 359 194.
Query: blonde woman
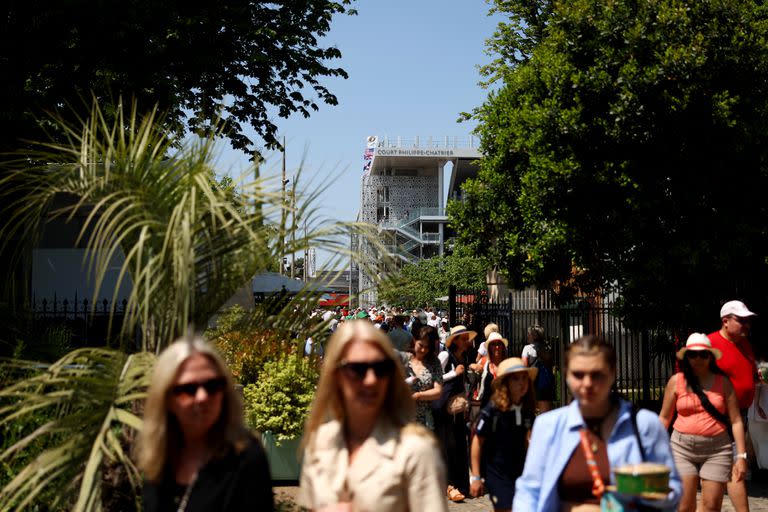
pixel 482 350
pixel 194 449
pixel 361 450
pixel 501 439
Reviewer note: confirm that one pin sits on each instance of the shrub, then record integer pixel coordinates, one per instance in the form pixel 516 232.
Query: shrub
pixel 246 350
pixel 280 399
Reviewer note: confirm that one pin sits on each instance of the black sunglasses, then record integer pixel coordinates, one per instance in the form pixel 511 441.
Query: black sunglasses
pixel 695 354
pixel 210 386
pixel 358 371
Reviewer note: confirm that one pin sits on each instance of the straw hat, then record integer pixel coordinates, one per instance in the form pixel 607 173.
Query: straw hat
pixel 489 329
pixel 494 336
pixel 513 365
pixel 459 330
pixel 698 341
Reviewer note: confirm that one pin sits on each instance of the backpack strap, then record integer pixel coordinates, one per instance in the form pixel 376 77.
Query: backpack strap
pixel 633 417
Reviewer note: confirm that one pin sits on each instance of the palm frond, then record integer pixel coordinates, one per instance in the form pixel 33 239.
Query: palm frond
pixel 186 247
pixel 183 247
pixel 78 402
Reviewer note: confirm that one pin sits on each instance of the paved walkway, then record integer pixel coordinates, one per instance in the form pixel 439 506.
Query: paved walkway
pixel 758 500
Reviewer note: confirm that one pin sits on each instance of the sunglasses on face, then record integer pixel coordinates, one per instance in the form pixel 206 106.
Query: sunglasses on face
pixel 696 354
pixel 358 371
pixel 210 386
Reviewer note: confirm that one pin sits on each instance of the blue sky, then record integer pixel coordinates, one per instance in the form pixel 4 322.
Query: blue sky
pixel 412 69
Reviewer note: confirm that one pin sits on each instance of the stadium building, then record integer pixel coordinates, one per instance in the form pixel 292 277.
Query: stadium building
pixel 402 193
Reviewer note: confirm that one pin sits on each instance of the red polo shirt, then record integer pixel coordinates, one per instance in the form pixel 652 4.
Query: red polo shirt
pixel 738 363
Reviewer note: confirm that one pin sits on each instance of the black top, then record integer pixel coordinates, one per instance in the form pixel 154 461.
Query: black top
pixel 237 481
pixel 487 389
pixel 453 387
pixel 505 442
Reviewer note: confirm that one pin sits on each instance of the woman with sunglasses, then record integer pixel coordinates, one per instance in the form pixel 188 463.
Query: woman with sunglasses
pixel 574 448
pixel 424 372
pixel 194 448
pixel 361 451
pixel 706 405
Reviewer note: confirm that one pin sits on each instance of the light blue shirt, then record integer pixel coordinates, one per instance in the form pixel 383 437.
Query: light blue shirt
pixel 556 435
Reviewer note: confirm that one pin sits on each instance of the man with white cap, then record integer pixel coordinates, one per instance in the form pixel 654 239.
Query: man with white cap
pixel 738 363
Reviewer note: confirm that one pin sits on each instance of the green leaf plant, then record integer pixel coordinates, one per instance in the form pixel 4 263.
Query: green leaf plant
pixel 87 395
pixel 187 246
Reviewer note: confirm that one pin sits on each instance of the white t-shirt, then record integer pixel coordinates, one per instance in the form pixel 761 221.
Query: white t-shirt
pixel 529 353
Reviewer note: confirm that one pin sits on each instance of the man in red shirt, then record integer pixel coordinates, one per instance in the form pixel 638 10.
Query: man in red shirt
pixel 738 363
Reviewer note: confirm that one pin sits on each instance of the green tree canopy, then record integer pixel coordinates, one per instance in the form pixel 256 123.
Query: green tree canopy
pixel 240 61
pixel 420 284
pixel 625 148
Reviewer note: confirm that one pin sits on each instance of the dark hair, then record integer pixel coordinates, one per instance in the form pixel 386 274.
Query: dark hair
pixel 693 381
pixel 591 345
pixel 536 332
pixel 428 335
pixel 416 326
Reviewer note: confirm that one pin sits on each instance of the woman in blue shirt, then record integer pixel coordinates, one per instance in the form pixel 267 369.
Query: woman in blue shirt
pixel 556 475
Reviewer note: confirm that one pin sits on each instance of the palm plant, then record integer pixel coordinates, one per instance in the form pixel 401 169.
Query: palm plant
pixel 184 245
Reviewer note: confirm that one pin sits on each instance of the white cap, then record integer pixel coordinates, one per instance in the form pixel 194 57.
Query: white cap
pixel 735 308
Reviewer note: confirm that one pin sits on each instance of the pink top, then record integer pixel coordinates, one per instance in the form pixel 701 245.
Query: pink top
pixel 691 416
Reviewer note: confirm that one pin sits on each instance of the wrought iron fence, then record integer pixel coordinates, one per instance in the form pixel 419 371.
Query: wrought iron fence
pixel 646 358
pixel 88 321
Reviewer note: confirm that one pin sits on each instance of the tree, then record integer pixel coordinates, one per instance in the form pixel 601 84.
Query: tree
pixel 625 149
pixel 189 244
pixel 299 271
pixel 422 283
pixel 240 61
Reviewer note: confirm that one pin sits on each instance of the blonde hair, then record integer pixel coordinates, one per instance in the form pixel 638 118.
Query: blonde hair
pixel 398 408
pixel 161 439
pixel 502 398
pixel 489 329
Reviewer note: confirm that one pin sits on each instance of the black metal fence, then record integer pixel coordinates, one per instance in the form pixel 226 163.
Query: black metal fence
pixel 646 358
pixel 87 321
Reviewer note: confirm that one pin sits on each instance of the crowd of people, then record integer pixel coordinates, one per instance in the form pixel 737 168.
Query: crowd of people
pixel 409 414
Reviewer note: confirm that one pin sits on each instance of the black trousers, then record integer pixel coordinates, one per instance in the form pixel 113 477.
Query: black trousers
pixel 452 433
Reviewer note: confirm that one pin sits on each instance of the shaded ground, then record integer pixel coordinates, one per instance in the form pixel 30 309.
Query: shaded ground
pixel 757 489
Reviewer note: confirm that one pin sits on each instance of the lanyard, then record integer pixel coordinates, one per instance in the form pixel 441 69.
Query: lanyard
pixel 598 487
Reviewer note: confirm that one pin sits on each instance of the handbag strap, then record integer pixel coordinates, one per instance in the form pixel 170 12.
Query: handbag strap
pixel 598 487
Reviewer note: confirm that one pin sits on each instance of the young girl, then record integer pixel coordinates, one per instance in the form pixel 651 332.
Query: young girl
pixel 501 439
